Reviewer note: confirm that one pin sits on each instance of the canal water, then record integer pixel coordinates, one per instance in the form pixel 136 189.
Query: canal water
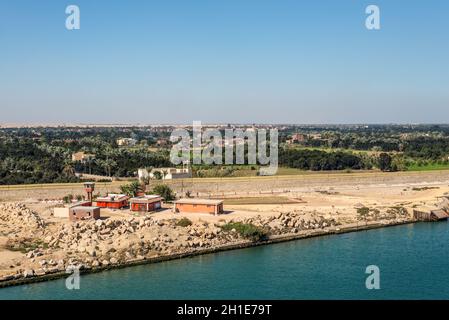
pixel 413 262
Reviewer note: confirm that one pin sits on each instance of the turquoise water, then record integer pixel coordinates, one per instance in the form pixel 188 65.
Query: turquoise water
pixel 413 262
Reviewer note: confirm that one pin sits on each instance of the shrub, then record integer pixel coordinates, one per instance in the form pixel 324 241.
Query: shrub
pixel 184 222
pixel 164 191
pixel 363 211
pixel 68 198
pixel 246 230
pixel 131 189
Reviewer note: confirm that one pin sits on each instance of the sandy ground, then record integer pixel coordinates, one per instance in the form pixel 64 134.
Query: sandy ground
pixel 245 186
pixel 333 203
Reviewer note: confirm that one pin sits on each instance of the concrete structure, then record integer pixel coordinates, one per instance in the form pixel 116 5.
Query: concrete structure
pixel 64 212
pixel 89 187
pixel 146 203
pixel 112 201
pixel 198 205
pixel 84 213
pixel 443 203
pixel 429 214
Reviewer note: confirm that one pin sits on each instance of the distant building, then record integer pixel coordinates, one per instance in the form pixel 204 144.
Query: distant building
pixel 316 136
pixel 165 173
pixel 82 156
pixel 126 142
pixel 162 142
pixel 298 137
pixel 112 201
pixel 198 206
pixel 146 203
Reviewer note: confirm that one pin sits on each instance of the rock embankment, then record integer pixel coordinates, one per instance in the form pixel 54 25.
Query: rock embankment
pixel 289 222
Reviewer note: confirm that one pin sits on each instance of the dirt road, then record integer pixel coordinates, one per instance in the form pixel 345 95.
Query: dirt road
pixel 244 186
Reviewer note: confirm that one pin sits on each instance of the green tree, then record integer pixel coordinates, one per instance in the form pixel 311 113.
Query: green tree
pixel 164 191
pixel 157 175
pixel 131 189
pixel 384 162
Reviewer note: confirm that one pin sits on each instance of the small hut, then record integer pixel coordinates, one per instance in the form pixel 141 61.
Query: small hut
pixel 146 203
pixel 84 213
pixel 198 206
pixel 112 201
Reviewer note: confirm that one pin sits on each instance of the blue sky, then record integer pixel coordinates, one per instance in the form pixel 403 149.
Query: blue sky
pixel 252 61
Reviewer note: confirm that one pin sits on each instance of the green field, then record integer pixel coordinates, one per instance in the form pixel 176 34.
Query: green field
pixel 258 200
pixel 328 149
pixel 428 167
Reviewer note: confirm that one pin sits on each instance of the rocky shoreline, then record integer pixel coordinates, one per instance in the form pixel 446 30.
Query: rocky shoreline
pixel 94 246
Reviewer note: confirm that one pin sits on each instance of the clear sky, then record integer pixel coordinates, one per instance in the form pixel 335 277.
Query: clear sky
pixel 252 61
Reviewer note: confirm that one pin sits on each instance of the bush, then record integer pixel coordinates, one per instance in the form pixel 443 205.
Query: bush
pixel 131 189
pixel 363 211
pixel 184 222
pixel 68 198
pixel 164 191
pixel 246 230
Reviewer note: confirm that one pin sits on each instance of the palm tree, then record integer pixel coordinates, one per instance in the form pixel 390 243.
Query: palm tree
pixel 109 164
pixel 132 189
pixel 68 170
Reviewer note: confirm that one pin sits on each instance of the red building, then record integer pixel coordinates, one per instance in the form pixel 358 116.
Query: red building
pixel 112 201
pixel 146 203
pixel 199 206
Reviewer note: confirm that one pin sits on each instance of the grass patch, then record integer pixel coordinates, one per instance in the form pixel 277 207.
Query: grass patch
pixel 25 245
pixel 428 167
pixel 284 171
pixel 329 193
pixel 363 211
pixel 398 210
pixel 246 230
pixel 424 188
pixel 184 222
pixel 258 200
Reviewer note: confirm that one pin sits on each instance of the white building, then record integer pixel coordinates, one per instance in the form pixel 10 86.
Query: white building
pixel 165 173
pixel 126 142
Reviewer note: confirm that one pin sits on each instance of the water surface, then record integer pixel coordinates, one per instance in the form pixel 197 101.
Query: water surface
pixel 413 261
